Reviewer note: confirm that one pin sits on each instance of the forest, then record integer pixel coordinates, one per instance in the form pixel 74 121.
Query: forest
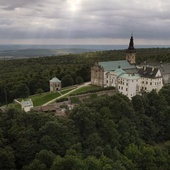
pixel 20 78
pixel 105 133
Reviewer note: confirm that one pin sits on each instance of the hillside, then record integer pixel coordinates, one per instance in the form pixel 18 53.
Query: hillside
pixel 23 77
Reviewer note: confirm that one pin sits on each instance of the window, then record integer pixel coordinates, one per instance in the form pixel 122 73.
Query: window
pixel 146 82
pixel 121 88
pixel 150 83
pixel 126 84
pixel 126 89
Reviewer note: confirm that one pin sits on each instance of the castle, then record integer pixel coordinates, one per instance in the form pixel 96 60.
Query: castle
pixel 127 77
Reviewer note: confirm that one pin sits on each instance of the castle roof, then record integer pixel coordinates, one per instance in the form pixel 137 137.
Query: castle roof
pixel 164 67
pixel 130 77
pixel 26 103
pixel 113 65
pixel 55 80
pixel 148 72
pixel 119 72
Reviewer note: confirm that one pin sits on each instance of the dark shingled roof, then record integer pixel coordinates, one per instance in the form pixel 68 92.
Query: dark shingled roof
pixel 148 72
pixel 164 67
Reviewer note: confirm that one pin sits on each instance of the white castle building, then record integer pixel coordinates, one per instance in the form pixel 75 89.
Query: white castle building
pixel 128 78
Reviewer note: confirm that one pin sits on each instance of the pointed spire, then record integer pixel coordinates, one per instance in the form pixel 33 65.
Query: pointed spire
pixel 131 44
pixel 131 52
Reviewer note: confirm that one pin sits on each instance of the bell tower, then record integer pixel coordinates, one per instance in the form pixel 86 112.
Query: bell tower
pixel 131 52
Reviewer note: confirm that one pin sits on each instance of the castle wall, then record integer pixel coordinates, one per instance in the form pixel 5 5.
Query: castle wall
pixel 97 75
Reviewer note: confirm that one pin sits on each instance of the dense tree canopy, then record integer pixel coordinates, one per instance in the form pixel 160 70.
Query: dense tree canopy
pixel 104 133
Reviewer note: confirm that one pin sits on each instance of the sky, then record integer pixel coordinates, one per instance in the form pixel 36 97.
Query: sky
pixel 85 22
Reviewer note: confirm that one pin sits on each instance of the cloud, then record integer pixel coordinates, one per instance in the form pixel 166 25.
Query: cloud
pixel 78 19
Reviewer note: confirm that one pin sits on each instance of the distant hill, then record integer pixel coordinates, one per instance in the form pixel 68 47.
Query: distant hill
pixel 29 53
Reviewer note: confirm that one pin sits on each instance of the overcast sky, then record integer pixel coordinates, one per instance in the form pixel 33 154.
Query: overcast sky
pixel 84 21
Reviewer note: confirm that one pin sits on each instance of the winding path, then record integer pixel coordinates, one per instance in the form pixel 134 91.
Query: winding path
pixel 78 87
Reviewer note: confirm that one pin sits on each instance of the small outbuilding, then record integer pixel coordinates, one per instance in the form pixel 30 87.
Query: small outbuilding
pixel 26 105
pixel 55 85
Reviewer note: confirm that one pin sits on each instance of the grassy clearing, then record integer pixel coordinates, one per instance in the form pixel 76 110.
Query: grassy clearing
pixel 85 89
pixel 64 91
pixel 40 99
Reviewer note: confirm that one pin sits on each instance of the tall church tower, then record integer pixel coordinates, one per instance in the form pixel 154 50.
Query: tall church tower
pixel 131 52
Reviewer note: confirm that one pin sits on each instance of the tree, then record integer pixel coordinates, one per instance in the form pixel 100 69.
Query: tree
pixel 79 80
pixel 67 81
pixel 139 104
pixel 147 161
pixel 71 162
pixel 92 145
pixel 133 153
pixel 7 159
pixel 92 163
pixel 85 73
pixel 35 164
pixel 84 118
pixel 46 157
pixel 39 91
pixel 165 91
pixel 22 91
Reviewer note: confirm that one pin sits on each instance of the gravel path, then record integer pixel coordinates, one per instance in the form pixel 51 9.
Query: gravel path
pixel 79 86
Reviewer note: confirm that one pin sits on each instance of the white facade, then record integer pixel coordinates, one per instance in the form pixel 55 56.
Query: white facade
pixel 129 84
pixel 133 84
pixel 55 85
pixel 148 84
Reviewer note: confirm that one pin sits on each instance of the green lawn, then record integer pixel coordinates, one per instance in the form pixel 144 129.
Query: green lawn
pixel 43 98
pixel 85 89
pixel 40 99
pixel 67 90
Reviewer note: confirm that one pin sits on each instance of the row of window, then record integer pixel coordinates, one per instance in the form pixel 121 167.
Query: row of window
pixel 122 88
pixel 152 83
